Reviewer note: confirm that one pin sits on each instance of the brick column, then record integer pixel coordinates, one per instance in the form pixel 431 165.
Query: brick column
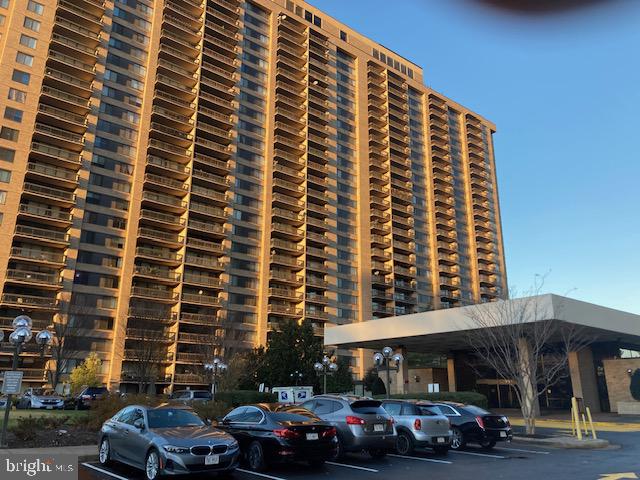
pixel 583 378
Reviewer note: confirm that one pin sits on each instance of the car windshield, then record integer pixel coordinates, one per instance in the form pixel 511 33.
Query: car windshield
pixel 472 409
pixel 40 392
pixel 424 410
pixel 95 390
pixel 368 406
pixel 172 418
pixel 201 395
pixel 297 416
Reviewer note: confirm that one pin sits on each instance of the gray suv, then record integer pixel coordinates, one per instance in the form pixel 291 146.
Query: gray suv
pixel 361 423
pixel 418 426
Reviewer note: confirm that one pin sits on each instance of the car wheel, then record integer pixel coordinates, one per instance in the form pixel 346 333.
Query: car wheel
pixel 378 453
pixel 488 444
pixel 316 463
pixel 441 450
pixel 255 457
pixel 152 465
pixel 104 452
pixel 339 451
pixel 404 443
pixel 457 439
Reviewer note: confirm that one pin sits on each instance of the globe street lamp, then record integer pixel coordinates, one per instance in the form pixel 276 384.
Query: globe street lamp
pixel 384 360
pixel 324 368
pixel 21 335
pixel 216 367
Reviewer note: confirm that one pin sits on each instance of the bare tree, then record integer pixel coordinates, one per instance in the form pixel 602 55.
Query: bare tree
pixel 512 337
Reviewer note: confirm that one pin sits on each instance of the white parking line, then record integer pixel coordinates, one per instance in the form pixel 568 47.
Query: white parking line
pixel 433 460
pixel 524 451
pixel 263 475
pixel 355 467
pixel 106 472
pixel 477 454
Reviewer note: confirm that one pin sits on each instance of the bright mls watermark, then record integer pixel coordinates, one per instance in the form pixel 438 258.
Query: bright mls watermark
pixel 58 467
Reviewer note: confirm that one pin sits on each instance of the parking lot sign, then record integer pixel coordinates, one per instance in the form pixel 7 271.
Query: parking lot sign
pixel 12 383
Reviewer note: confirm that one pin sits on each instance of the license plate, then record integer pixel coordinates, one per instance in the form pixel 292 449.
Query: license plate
pixel 49 407
pixel 212 460
pixel 378 428
pixel 441 440
pixel 312 436
pixel 503 434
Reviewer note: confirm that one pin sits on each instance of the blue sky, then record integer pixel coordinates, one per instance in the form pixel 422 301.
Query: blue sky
pixel 564 92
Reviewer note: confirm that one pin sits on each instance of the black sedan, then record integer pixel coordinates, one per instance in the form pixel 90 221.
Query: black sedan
pixel 272 433
pixel 471 424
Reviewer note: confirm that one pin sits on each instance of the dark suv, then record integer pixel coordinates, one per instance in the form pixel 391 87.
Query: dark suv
pixel 361 423
pixel 89 395
pixel 471 424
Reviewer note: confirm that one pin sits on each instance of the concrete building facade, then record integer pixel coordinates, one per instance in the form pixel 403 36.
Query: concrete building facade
pixel 186 174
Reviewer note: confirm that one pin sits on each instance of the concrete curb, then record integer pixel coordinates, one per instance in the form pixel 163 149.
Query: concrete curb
pixel 565 442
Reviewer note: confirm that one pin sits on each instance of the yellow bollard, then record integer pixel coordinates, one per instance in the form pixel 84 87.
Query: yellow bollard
pixel 573 422
pixel 586 429
pixel 593 430
pixel 576 415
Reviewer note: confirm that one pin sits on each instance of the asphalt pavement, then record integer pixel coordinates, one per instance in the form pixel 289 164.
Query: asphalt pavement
pixel 507 461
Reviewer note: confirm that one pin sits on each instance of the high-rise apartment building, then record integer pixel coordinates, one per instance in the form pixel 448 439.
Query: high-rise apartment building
pixel 179 176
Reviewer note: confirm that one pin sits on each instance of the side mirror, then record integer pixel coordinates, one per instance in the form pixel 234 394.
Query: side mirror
pixel 139 424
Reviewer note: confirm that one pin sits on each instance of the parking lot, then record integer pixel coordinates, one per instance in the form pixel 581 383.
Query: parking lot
pixel 511 461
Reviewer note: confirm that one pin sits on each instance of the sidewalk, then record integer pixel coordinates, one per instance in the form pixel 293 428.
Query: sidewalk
pixel 83 452
pixel 602 422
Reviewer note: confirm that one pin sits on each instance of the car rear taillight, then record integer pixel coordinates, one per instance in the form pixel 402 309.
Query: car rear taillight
pixel 286 433
pixel 480 422
pixel 417 425
pixel 330 432
pixel 351 420
pixel 86 397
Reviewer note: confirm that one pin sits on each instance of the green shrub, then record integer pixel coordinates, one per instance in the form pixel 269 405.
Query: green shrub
pixel 212 410
pixel 634 387
pixel 26 428
pixel 235 398
pixel 472 398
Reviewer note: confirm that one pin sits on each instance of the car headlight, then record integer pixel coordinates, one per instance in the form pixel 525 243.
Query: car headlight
pixel 174 449
pixel 233 445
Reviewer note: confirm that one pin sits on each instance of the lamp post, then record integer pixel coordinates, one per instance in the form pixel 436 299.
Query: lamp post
pixel 216 367
pixel 384 359
pixel 324 368
pixel 20 335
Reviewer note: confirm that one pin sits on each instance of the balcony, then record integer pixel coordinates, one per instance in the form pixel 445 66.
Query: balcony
pixel 203 280
pixel 54 153
pixel 203 209
pixel 195 358
pixel 169 202
pixel 207 262
pixel 276 243
pixel 173 185
pixel 211 228
pixel 31 301
pixel 168 167
pixel 150 335
pixel 286 276
pixel 159 294
pixel 200 299
pixel 62 118
pixel 159 236
pixel 163 255
pixel 199 319
pixel 33 278
pixel 48 215
pixel 209 194
pixel 285 310
pixel 161 275
pixel 42 234
pixel 67 101
pixel 205 245
pixel 37 255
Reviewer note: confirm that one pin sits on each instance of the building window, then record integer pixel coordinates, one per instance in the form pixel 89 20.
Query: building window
pixel 28 41
pixel 17 95
pixel 5 176
pixel 317 21
pixel 3 197
pixel 35 7
pixel 21 77
pixel 13 114
pixel 2 19
pixel 343 37
pixel 308 16
pixel 4 3
pixel 7 155
pixel 24 59
pixel 31 24
pixel 9 134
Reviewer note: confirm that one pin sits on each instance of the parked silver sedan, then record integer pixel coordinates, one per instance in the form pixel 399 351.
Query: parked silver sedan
pixel 418 426
pixel 166 440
